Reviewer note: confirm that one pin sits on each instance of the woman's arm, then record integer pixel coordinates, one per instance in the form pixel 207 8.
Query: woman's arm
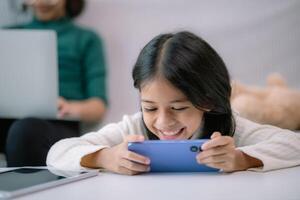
pixel 90 110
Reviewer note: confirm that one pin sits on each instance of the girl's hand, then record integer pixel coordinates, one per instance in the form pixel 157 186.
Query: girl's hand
pixel 220 152
pixel 120 160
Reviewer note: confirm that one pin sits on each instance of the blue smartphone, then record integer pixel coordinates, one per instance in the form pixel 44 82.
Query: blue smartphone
pixel 172 155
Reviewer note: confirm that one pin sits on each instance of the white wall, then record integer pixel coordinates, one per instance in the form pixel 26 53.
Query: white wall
pixel 254 37
pixel 11 13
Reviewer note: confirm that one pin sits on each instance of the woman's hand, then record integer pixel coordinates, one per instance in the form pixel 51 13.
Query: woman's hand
pixel 220 152
pixel 90 110
pixel 67 109
pixel 120 160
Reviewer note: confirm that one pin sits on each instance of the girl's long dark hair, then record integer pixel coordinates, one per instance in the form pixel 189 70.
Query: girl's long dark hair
pixel 196 69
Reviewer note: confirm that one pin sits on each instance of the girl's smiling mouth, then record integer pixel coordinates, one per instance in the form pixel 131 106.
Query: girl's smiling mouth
pixel 170 134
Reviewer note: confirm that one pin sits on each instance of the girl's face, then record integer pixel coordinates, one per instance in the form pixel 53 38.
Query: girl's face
pixel 167 112
pixel 47 10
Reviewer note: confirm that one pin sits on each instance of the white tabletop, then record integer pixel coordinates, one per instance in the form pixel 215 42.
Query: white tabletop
pixel 280 184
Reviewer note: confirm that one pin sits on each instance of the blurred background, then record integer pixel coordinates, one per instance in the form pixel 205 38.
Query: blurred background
pixel 254 38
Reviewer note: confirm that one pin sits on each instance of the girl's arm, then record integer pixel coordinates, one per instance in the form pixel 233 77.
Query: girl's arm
pixel 275 147
pixel 255 146
pixel 68 153
pixel 119 159
pixel 221 153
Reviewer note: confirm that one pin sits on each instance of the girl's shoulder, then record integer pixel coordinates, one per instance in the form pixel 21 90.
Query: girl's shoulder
pixel 239 120
pixel 242 124
pixel 130 124
pixel 245 127
pixel 133 119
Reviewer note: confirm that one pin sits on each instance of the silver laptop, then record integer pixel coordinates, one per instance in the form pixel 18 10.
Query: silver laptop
pixel 28 74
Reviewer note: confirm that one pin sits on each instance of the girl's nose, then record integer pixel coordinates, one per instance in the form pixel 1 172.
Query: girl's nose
pixel 164 120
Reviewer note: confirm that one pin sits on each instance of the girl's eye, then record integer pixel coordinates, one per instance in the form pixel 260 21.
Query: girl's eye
pixel 149 109
pixel 179 109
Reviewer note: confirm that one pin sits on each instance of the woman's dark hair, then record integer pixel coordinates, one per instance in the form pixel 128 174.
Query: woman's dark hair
pixel 74 7
pixel 195 68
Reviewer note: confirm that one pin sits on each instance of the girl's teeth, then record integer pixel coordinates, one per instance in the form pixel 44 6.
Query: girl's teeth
pixel 170 132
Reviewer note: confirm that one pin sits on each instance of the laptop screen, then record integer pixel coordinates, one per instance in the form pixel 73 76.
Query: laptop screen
pixel 29 73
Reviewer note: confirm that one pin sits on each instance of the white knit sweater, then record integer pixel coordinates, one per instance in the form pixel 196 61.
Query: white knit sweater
pixel 276 148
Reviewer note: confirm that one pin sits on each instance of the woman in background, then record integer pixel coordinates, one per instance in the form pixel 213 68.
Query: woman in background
pixel 82 86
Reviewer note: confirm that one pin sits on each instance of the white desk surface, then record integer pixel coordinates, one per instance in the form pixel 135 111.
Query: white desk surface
pixel 276 185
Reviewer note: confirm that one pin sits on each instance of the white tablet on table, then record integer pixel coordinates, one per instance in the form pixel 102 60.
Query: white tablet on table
pixel 19 181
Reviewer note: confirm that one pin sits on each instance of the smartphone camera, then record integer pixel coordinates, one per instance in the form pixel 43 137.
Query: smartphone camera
pixel 195 149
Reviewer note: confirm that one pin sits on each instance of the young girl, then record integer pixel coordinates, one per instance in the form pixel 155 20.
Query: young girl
pixel 185 94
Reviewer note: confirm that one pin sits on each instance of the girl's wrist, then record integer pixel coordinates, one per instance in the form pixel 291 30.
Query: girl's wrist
pixel 103 158
pixel 94 160
pixel 249 161
pixel 89 160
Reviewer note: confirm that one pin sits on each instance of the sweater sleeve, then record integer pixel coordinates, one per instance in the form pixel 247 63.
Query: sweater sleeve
pixel 94 67
pixel 275 147
pixel 67 153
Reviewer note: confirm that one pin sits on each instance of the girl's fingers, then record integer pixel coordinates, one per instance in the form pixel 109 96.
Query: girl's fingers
pixel 217 141
pixel 214 159
pixel 215 134
pixel 134 138
pixel 124 170
pixel 219 165
pixel 134 166
pixel 129 155
pixel 213 152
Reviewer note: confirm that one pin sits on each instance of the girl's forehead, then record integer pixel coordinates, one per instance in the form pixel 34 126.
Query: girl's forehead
pixel 158 90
